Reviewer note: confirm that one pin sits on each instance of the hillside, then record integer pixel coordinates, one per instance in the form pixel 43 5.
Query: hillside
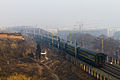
pixel 18 61
pixel 12 52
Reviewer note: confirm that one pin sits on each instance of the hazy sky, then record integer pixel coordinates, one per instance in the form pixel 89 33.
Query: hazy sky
pixel 58 12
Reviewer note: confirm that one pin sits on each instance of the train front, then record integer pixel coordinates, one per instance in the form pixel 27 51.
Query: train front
pixel 100 59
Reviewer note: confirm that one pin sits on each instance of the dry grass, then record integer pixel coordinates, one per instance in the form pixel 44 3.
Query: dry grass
pixel 16 76
pixel 19 77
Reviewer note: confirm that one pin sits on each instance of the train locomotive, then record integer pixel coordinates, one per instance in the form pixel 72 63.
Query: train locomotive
pixel 90 57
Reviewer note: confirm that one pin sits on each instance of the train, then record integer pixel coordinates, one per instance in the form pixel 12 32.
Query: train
pixel 88 56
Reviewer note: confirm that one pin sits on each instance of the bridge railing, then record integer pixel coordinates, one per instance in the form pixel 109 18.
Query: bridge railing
pixel 113 61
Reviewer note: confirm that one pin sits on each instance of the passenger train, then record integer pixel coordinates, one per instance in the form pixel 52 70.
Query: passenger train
pixel 90 57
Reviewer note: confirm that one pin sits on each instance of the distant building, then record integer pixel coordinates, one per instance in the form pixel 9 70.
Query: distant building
pixel 64 33
pixel 97 32
pixel 116 35
pixel 110 32
pixel 11 36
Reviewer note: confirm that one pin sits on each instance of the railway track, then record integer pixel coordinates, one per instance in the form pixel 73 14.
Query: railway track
pixel 112 70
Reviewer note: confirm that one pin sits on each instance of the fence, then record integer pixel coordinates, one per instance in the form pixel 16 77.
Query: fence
pixel 113 61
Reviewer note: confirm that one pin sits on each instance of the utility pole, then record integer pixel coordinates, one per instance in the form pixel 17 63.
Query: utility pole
pixel 82 34
pixel 39 31
pixel 34 32
pixel 25 30
pixel 58 37
pixel 75 52
pixel 70 38
pixel 52 39
pixel 57 33
pixel 75 49
pixel 102 44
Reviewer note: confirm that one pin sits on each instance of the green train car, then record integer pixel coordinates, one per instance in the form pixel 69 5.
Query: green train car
pixel 90 57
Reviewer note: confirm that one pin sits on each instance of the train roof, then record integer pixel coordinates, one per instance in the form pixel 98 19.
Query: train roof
pixel 102 54
pixel 16 34
pixel 84 49
pixel 92 52
pixel 88 51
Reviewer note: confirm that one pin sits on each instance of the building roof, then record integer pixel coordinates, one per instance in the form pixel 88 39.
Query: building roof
pixel 16 34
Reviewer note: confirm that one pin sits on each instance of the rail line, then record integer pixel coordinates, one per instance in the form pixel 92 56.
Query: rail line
pixel 112 70
pixel 113 67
